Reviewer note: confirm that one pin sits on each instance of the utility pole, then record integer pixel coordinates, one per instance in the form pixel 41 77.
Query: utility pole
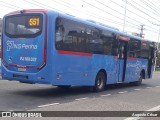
pixel 155 64
pixel 141 30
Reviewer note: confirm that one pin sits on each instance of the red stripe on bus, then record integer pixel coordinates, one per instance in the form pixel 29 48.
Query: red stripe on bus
pixel 32 10
pixel 123 38
pixel 36 10
pixel 131 58
pixel 14 12
pixel 74 53
pixel 115 57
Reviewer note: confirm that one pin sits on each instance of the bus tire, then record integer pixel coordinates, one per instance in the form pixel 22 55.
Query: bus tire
pixel 100 82
pixel 64 86
pixel 139 82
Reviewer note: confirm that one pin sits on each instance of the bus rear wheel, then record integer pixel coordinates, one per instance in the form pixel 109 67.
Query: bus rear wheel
pixel 99 82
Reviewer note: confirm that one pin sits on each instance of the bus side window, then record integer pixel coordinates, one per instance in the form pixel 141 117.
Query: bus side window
pixel 107 44
pixel 108 40
pixel 78 37
pixel 115 48
pixel 145 50
pixel 96 42
pixel 134 48
pixel 59 37
pixel 59 34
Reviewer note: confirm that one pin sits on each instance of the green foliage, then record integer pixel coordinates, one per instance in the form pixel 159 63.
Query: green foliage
pixel 157 69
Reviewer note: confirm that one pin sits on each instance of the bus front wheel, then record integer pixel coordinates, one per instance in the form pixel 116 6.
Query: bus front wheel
pixel 99 82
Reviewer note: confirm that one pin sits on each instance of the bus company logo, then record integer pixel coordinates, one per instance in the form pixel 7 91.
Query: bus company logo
pixel 12 45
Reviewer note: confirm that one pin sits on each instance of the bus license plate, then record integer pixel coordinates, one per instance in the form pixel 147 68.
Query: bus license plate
pixel 22 69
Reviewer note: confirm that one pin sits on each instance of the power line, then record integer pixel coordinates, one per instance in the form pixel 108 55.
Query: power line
pixel 101 10
pixel 157 3
pixel 64 4
pixel 127 10
pixel 111 20
pixel 11 5
pixel 117 4
pixel 35 4
pixel 145 8
pixel 95 15
pixel 120 13
pixel 91 14
pixel 108 7
pixel 153 8
pixel 134 14
pixel 114 10
pixel 99 17
pixel 141 11
pixel 48 6
pixel 154 5
pixel 127 16
pixel 68 5
pixel 8 7
pixel 106 11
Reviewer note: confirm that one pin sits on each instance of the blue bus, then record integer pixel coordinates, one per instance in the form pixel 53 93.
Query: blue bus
pixel 48 47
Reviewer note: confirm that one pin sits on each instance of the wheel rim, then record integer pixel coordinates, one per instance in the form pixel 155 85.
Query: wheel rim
pixel 100 82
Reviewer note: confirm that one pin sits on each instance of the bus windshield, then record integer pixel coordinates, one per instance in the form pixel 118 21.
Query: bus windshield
pixel 24 25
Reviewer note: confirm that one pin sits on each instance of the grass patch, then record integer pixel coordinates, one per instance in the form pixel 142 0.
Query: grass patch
pixel 157 69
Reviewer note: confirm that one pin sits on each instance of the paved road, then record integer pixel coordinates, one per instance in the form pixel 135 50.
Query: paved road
pixel 18 96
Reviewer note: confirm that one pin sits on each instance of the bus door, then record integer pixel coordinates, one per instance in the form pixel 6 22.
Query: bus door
pixel 122 59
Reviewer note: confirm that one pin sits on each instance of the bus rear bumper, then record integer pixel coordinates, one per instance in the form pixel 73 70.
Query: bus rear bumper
pixel 22 77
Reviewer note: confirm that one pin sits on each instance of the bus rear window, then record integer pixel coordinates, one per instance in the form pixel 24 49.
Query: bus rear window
pixel 25 25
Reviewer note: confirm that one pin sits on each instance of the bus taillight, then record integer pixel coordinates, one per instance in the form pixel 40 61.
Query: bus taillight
pixel 45 59
pixel 45 55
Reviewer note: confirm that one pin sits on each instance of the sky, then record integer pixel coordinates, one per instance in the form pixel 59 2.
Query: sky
pixel 109 12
